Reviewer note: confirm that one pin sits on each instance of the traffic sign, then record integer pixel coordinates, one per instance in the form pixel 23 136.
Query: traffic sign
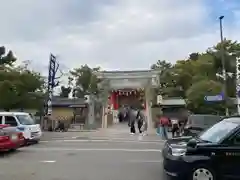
pixel 218 97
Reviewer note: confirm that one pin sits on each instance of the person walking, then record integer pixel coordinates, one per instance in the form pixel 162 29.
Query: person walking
pixel 139 121
pixel 131 120
pixel 144 127
pixel 158 125
pixel 175 127
pixel 164 123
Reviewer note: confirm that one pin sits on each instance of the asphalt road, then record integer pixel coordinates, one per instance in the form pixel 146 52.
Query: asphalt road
pixel 77 159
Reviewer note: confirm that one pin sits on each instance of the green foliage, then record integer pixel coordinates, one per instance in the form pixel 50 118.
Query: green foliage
pixel 191 77
pixel 195 97
pixel 65 91
pixel 19 86
pixel 86 81
pixel 6 59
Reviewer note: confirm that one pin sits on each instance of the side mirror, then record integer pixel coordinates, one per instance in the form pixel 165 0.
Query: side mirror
pixel 192 144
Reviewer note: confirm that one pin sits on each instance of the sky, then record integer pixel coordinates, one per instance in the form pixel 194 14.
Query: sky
pixel 113 34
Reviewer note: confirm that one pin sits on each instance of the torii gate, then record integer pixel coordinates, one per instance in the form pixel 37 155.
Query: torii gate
pixel 113 80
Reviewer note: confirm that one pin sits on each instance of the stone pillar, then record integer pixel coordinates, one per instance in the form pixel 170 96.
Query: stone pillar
pixel 104 117
pixel 149 109
pixel 104 87
pixel 91 113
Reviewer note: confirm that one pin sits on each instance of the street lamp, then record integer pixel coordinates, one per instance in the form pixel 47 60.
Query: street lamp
pixel 222 51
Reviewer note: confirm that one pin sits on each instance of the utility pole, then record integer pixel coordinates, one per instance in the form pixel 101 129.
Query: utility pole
pixel 222 50
pixel 52 83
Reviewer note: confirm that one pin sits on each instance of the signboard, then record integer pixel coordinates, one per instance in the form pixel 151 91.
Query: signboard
pixel 218 97
pixel 51 78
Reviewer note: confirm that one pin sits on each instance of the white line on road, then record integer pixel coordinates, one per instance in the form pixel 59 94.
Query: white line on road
pixel 47 161
pixel 125 138
pixel 91 149
pixel 145 161
pixel 107 140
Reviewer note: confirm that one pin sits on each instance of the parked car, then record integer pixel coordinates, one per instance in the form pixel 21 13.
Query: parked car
pixel 24 123
pixel 212 155
pixel 10 138
pixel 198 122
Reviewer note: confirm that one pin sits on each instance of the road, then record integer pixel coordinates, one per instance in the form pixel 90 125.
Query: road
pixel 85 159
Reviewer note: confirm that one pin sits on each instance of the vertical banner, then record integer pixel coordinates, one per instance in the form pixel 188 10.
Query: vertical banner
pixel 51 77
pixel 238 84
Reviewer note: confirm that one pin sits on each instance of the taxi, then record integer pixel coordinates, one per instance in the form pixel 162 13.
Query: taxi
pixel 212 155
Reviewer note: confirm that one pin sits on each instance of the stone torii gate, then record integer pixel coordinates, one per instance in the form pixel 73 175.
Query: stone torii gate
pixel 113 80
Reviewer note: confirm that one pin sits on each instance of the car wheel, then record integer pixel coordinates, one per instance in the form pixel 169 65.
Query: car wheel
pixel 202 173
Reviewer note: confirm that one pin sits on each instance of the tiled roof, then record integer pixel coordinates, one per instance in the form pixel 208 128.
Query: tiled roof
pixel 57 101
pixel 173 101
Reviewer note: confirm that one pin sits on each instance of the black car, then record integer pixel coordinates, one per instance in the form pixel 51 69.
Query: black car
pixel 214 154
pixel 198 122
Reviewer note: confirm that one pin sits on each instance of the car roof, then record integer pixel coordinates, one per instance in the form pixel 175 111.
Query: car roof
pixel 13 113
pixel 232 119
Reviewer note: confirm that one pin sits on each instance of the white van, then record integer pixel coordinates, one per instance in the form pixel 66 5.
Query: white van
pixel 24 123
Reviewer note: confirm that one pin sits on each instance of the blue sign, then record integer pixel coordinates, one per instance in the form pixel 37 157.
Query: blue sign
pixel 218 97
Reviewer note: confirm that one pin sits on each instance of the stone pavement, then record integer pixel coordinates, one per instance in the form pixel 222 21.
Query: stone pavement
pixel 116 132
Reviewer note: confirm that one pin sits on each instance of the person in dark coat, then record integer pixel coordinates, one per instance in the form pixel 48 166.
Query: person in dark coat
pixel 139 121
pixel 131 120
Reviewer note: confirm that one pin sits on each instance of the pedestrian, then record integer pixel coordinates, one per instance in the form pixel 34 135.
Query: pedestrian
pixel 131 120
pixel 120 116
pixel 175 128
pixel 142 123
pixel 164 123
pixel 139 121
pixel 158 124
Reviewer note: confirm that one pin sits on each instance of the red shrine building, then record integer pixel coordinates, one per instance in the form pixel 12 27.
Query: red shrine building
pixel 127 97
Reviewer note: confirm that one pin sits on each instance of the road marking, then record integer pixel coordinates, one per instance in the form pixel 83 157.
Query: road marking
pixel 145 161
pixel 91 149
pixel 128 138
pixel 105 140
pixel 47 161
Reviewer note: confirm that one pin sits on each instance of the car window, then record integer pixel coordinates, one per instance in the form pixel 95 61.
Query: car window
pixel 10 120
pixel 218 132
pixel 25 119
pixel 236 140
pixel 1 121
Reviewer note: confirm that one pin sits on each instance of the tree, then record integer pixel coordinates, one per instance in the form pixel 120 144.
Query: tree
pixel 65 91
pixel 6 59
pixel 86 81
pixel 161 65
pixel 167 84
pixel 231 52
pixel 19 86
pixel 193 56
pixel 192 77
pixel 195 97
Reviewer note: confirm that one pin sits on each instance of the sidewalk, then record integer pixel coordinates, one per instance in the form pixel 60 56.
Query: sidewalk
pixel 121 131
pixel 116 132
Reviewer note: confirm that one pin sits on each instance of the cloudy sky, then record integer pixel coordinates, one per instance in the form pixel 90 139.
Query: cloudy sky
pixel 113 34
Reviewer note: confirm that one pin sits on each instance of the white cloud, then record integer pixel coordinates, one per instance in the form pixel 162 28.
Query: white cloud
pixel 115 34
